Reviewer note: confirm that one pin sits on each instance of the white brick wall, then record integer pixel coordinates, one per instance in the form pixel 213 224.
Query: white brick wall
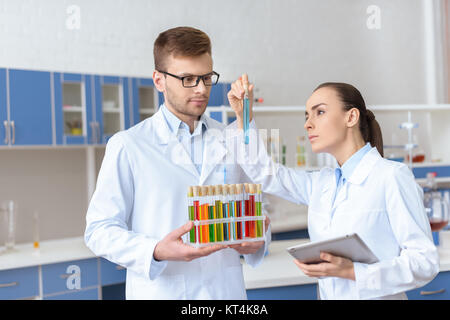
pixel 288 47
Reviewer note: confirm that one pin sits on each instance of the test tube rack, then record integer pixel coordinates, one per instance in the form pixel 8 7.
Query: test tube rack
pixel 225 214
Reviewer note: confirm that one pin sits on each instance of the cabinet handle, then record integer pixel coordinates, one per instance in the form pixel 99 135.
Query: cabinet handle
pixel 428 293
pixel 66 275
pixel 6 285
pixel 6 124
pixel 13 132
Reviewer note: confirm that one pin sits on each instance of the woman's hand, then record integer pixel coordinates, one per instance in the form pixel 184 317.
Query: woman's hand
pixel 333 266
pixel 236 99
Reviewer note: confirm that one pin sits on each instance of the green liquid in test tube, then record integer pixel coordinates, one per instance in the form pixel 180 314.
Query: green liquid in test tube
pixel 259 229
pixel 191 213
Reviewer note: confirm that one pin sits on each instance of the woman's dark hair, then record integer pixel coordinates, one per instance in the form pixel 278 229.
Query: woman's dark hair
pixel 352 98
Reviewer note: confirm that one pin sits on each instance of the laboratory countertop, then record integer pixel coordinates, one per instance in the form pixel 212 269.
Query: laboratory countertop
pixel 50 251
pixel 277 268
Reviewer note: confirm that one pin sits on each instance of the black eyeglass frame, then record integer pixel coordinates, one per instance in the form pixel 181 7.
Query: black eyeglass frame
pixel 198 78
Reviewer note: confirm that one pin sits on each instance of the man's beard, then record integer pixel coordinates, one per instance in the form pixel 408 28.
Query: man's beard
pixel 181 106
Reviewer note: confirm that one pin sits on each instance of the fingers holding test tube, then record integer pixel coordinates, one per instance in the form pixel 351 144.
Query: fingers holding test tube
pixel 240 90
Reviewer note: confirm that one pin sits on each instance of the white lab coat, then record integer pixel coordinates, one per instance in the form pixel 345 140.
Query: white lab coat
pixel 141 196
pixel 381 202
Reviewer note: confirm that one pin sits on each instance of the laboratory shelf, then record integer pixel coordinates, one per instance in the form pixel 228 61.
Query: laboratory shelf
pixel 393 107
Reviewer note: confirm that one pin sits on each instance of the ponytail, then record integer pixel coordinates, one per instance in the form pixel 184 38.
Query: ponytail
pixel 374 135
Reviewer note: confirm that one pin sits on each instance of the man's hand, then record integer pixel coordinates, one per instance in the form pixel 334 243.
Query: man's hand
pixel 333 266
pixel 250 247
pixel 173 248
pixel 236 99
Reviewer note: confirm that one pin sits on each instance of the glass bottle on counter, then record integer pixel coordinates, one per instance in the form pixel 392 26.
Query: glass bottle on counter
pixel 436 207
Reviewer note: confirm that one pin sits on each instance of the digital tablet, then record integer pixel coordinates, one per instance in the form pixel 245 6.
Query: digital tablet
pixel 349 246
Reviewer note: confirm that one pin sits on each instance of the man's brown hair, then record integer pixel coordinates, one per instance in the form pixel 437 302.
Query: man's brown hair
pixel 180 41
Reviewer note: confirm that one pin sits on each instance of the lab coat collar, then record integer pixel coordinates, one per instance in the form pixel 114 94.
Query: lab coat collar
pixel 213 150
pixel 365 166
pixel 162 130
pixel 360 173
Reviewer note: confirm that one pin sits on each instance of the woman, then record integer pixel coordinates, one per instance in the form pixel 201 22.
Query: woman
pixel 376 198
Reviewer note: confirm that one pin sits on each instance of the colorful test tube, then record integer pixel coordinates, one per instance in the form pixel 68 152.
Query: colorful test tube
pixel 212 237
pixel 252 209
pixel 219 213
pixel 259 229
pixel 196 200
pixel 191 213
pixel 232 205
pixel 239 197
pixel 225 211
pixel 205 235
pixel 247 209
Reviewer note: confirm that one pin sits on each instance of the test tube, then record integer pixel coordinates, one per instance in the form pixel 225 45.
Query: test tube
pixel 204 204
pixel 246 112
pixel 191 212
pixel 219 213
pixel 247 209
pixel 252 210
pixel 258 201
pixel 225 211
pixel 211 208
pixel 232 206
pixel 36 231
pixel 196 200
pixel 239 197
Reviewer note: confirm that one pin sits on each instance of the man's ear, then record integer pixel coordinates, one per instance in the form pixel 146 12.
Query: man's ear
pixel 159 81
pixel 352 117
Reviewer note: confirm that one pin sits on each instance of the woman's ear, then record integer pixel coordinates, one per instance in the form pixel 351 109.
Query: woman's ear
pixel 159 81
pixel 352 117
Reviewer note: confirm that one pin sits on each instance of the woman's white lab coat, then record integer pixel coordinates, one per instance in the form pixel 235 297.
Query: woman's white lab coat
pixel 380 201
pixel 141 196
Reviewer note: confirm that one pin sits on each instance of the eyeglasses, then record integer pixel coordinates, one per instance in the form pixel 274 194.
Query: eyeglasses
pixel 209 79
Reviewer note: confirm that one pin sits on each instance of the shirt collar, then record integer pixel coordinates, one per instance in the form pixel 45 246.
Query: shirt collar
pixel 349 166
pixel 175 124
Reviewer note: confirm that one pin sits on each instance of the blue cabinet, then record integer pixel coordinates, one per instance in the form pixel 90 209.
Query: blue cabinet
pixel 111 273
pixel 145 99
pixel 69 276
pixel 19 283
pixel 218 97
pixel 297 292
pixel 54 108
pixel 74 113
pixel 30 107
pixel 4 132
pixel 111 100
pixel 437 289
pixel 86 294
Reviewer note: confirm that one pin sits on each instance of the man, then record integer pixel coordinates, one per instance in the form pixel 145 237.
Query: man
pixel 136 214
